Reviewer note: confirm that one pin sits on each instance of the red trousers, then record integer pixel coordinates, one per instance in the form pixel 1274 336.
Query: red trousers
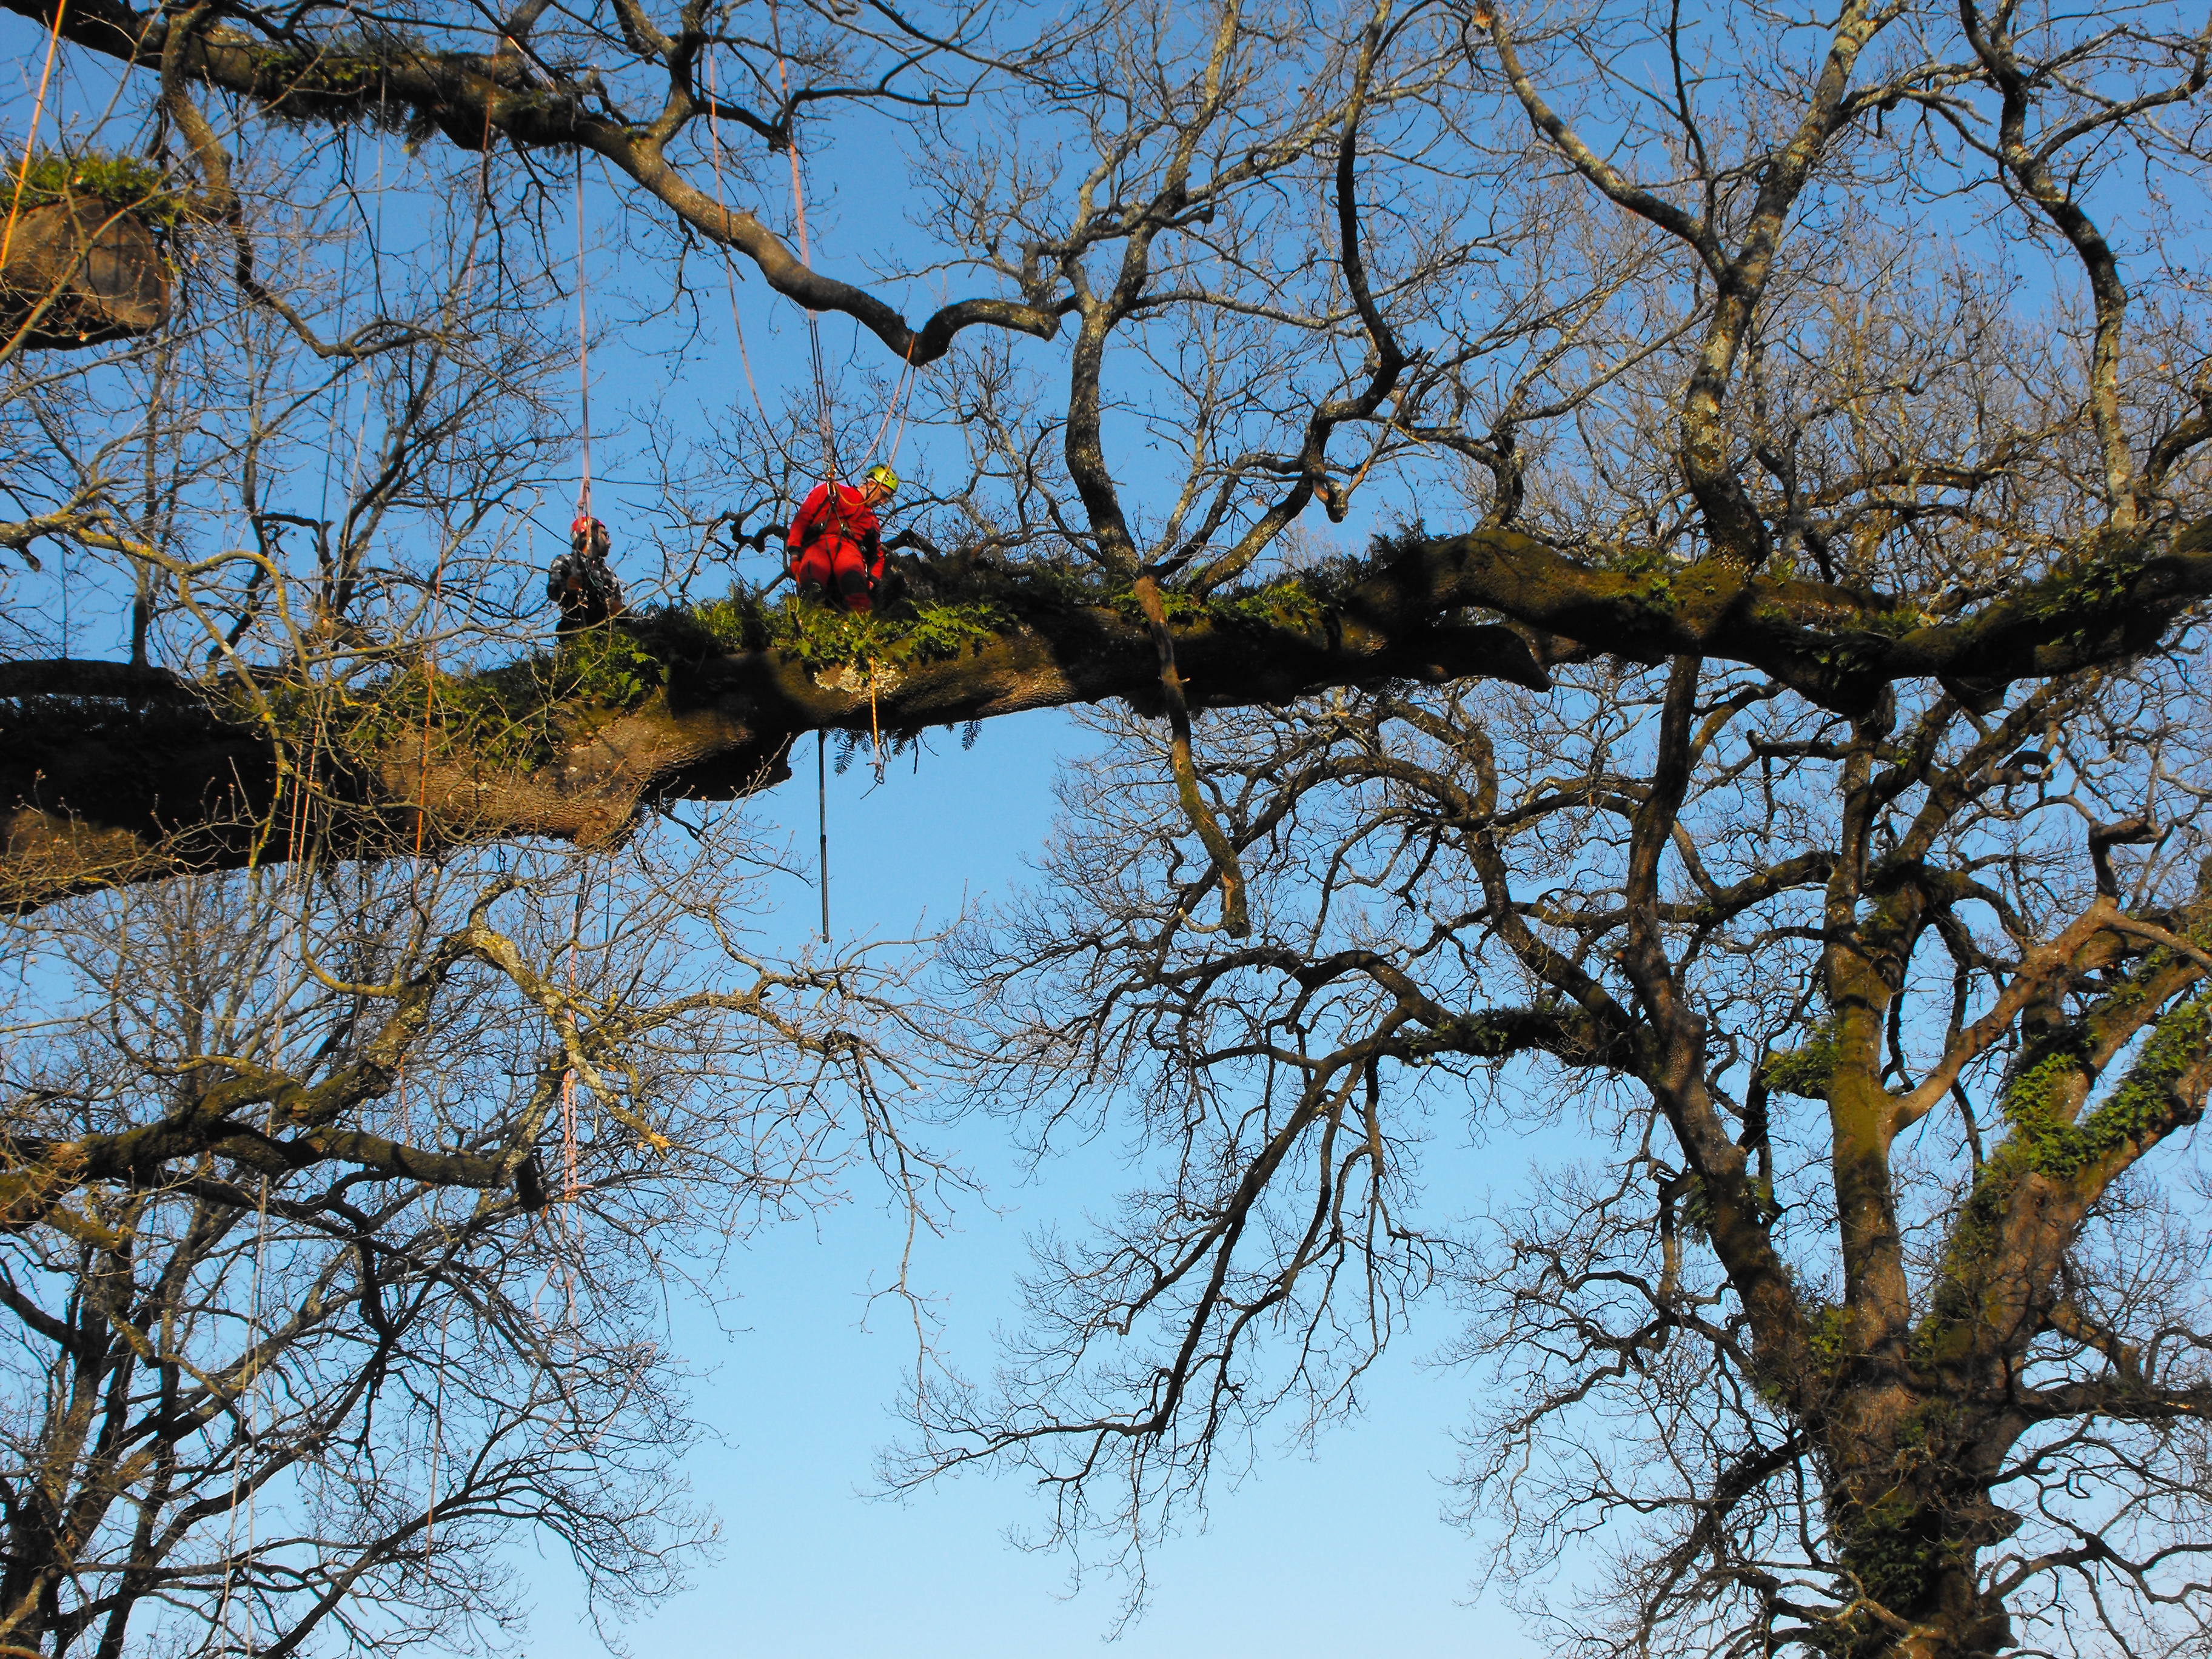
pixel 829 540
pixel 838 567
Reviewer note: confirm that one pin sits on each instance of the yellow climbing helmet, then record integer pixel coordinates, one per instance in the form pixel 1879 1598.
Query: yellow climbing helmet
pixel 884 478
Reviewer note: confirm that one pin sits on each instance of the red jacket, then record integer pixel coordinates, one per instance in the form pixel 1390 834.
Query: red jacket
pixel 841 530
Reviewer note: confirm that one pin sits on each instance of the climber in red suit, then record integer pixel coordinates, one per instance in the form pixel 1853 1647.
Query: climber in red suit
pixel 836 543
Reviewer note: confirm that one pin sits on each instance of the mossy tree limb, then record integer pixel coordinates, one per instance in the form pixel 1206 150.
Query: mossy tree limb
pixel 98 792
pixel 473 98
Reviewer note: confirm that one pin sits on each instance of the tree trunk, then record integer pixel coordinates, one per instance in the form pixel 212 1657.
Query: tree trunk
pixel 1912 1547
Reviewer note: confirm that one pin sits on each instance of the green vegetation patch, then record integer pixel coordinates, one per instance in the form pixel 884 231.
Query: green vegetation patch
pixel 1652 573
pixel 1290 602
pixel 1806 1070
pixel 2092 587
pixel 2143 1105
pixel 828 637
pixel 1830 1339
pixel 510 717
pixel 824 636
pixel 127 182
pixel 819 635
pixel 2045 1141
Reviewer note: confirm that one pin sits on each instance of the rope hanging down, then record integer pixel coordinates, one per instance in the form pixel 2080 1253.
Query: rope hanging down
pixel 821 823
pixel 833 470
pixel 831 473
pixel 729 265
pixel 583 350
pixel 38 115
pixel 805 250
pixel 824 409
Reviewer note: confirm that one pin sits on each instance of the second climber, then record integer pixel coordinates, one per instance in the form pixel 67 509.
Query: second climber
pixel 582 582
pixel 834 545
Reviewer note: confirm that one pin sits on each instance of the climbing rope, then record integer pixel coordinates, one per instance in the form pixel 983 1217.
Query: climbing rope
pixel 437 1443
pixel 875 725
pixel 729 266
pixel 832 471
pixel 247 1413
pixel 899 404
pixel 583 348
pixel 465 286
pixel 571 1190
pixel 822 822
pixel 297 834
pixel 375 269
pixel 38 114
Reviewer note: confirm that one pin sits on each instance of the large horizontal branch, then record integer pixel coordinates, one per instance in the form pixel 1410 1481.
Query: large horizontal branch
pixel 1837 647
pixel 98 789
pixel 103 781
pixel 36 1175
pixel 473 99
pixel 300 1129
pixel 2119 1399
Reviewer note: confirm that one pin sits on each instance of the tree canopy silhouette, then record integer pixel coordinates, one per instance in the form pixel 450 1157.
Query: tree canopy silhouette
pixel 1773 677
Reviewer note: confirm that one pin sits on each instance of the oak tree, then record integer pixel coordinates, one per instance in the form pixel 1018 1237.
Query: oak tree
pixel 1805 415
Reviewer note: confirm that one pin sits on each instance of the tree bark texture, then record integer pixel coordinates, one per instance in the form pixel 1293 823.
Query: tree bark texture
pixel 110 773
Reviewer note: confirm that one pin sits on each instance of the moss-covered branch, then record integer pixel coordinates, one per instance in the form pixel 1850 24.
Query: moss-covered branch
pixel 474 99
pixel 108 775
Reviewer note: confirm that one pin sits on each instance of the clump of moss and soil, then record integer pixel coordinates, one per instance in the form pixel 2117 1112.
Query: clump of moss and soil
pixel 128 183
pixel 517 716
pixel 511 717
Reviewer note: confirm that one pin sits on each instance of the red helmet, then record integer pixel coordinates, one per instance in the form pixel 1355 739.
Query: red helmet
pixel 588 534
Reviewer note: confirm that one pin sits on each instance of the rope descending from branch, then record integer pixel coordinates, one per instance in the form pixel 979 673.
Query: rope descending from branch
pixel 30 142
pixel 583 351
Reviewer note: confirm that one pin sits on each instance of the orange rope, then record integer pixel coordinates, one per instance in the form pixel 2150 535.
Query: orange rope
pixel 806 252
pixel 583 348
pixel 38 114
pixel 568 1077
pixel 568 1131
pixel 729 267
pixel 897 407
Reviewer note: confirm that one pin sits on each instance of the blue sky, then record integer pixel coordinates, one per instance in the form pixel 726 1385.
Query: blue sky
pixel 1342 1551
pixel 1345 1550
